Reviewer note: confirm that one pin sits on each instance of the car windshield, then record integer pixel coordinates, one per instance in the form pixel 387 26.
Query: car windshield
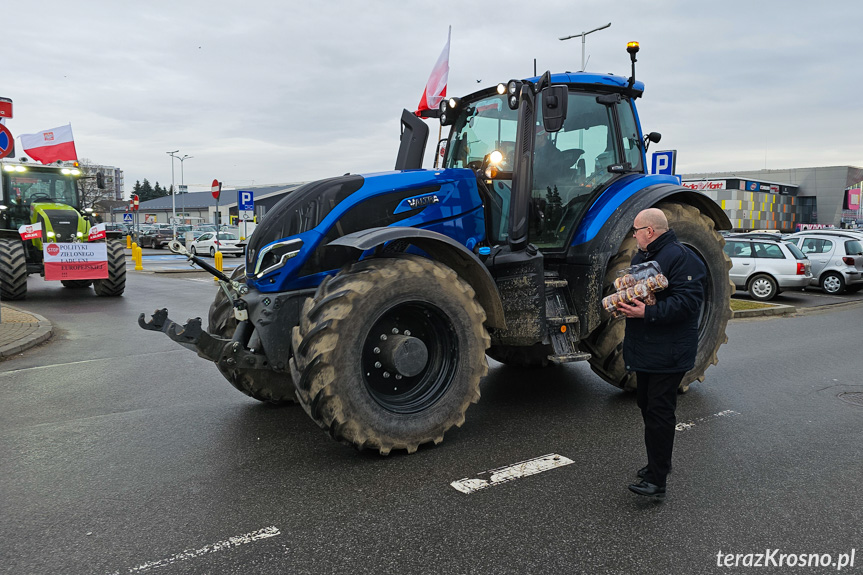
pixel 853 248
pixel 796 251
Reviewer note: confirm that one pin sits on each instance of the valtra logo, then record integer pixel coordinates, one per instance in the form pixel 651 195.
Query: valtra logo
pixel 53 249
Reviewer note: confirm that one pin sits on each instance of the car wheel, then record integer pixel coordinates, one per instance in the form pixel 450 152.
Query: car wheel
pixel 194 252
pixel 762 288
pixel 833 283
pixel 212 252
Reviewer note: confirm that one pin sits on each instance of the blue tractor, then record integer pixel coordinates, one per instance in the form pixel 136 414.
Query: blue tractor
pixel 372 300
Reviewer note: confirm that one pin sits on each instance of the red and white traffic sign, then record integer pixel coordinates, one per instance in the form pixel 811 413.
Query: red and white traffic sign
pixel 216 189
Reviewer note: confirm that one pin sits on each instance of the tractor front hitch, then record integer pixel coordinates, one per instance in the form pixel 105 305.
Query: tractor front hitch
pixel 226 352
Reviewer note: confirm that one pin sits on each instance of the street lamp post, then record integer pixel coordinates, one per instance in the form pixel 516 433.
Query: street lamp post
pixel 583 35
pixel 173 198
pixel 182 179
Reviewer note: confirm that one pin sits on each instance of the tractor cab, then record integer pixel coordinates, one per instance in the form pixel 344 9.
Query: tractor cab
pixel 593 140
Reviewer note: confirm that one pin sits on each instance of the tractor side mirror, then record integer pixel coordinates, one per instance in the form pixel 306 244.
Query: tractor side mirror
pixel 554 100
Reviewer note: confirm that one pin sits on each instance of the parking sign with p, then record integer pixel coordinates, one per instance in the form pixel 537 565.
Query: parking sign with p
pixel 664 162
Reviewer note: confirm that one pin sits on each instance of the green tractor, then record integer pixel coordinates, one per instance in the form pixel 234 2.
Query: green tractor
pixel 43 230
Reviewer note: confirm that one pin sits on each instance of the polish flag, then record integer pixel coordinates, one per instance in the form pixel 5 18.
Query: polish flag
pixel 30 231
pixel 97 232
pixel 50 145
pixel 436 86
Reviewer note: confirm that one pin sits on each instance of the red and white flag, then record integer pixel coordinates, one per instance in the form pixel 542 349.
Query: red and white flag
pixel 436 86
pixel 97 232
pixel 30 231
pixel 50 145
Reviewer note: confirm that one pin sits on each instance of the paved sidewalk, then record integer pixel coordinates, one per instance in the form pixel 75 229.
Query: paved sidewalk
pixel 20 330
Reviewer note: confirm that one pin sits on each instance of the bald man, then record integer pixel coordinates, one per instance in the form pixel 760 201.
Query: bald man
pixel 661 341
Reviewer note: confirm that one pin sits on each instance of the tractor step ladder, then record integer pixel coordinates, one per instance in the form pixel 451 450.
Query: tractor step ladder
pixel 562 325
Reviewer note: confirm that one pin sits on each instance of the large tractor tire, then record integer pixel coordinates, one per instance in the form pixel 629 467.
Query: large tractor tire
pixel 390 352
pixel 522 356
pixel 696 231
pixel 267 386
pixel 115 284
pixel 76 284
pixel 13 270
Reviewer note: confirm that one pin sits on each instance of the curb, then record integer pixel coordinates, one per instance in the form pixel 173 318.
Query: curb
pixel 43 331
pixel 774 309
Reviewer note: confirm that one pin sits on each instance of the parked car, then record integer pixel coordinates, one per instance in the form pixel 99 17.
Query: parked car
pixel 766 266
pixel 211 242
pixel 156 237
pixel 836 256
pixel 201 229
pixel 117 227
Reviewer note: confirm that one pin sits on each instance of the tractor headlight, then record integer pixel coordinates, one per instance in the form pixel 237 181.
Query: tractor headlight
pixel 51 234
pixel 495 158
pixel 80 234
pixel 274 256
pixel 501 89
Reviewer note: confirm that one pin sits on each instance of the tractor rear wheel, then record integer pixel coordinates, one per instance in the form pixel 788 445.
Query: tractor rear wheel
pixel 390 352
pixel 696 231
pixel 263 385
pixel 13 270
pixel 76 284
pixel 115 284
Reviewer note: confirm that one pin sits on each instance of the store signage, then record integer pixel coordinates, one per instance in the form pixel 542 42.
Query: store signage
pixel 704 185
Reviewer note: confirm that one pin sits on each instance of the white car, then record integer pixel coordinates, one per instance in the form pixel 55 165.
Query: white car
pixel 212 242
pixel 765 266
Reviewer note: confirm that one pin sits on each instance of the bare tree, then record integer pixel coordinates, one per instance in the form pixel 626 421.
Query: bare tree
pixel 90 191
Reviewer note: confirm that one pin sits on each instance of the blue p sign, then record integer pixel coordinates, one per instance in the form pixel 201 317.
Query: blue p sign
pixel 247 201
pixel 664 162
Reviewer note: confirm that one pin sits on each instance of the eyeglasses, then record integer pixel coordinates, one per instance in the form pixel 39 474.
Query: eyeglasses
pixel 634 229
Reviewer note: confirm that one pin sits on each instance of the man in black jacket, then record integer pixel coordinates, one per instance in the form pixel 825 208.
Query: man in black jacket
pixel 661 341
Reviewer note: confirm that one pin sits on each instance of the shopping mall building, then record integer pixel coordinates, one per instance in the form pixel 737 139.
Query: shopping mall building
pixel 785 200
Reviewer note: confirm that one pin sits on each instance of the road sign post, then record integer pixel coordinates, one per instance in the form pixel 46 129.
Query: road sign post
pixel 216 190
pixel 245 206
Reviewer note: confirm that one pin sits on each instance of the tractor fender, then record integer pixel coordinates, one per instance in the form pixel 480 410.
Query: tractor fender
pixel 608 239
pixel 440 248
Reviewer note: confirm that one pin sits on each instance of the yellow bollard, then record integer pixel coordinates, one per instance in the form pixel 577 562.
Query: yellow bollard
pixel 137 255
pixel 128 242
pixel 218 264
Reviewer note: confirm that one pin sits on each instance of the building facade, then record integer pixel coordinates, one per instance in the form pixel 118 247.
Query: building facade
pixel 784 200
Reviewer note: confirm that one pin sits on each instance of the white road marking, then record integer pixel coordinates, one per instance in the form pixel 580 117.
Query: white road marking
pixel 229 543
pixel 34 368
pixel 685 426
pixel 511 472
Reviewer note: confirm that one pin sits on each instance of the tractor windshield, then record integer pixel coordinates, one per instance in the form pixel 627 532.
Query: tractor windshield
pixel 484 126
pixel 24 188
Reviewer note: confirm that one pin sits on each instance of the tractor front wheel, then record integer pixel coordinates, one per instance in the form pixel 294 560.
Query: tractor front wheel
pixel 696 231
pixel 263 385
pixel 13 270
pixel 115 284
pixel 390 352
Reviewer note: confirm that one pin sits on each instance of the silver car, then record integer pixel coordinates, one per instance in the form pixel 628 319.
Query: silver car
pixel 836 256
pixel 764 267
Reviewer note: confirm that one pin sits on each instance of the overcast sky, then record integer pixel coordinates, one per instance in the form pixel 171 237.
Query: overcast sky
pixel 265 91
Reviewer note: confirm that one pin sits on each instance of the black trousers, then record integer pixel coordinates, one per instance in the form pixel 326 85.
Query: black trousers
pixel 657 398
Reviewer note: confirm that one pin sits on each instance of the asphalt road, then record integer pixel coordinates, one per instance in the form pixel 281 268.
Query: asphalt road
pixel 121 452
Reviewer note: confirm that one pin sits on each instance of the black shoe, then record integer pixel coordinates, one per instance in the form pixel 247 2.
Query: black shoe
pixel 642 473
pixel 648 490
